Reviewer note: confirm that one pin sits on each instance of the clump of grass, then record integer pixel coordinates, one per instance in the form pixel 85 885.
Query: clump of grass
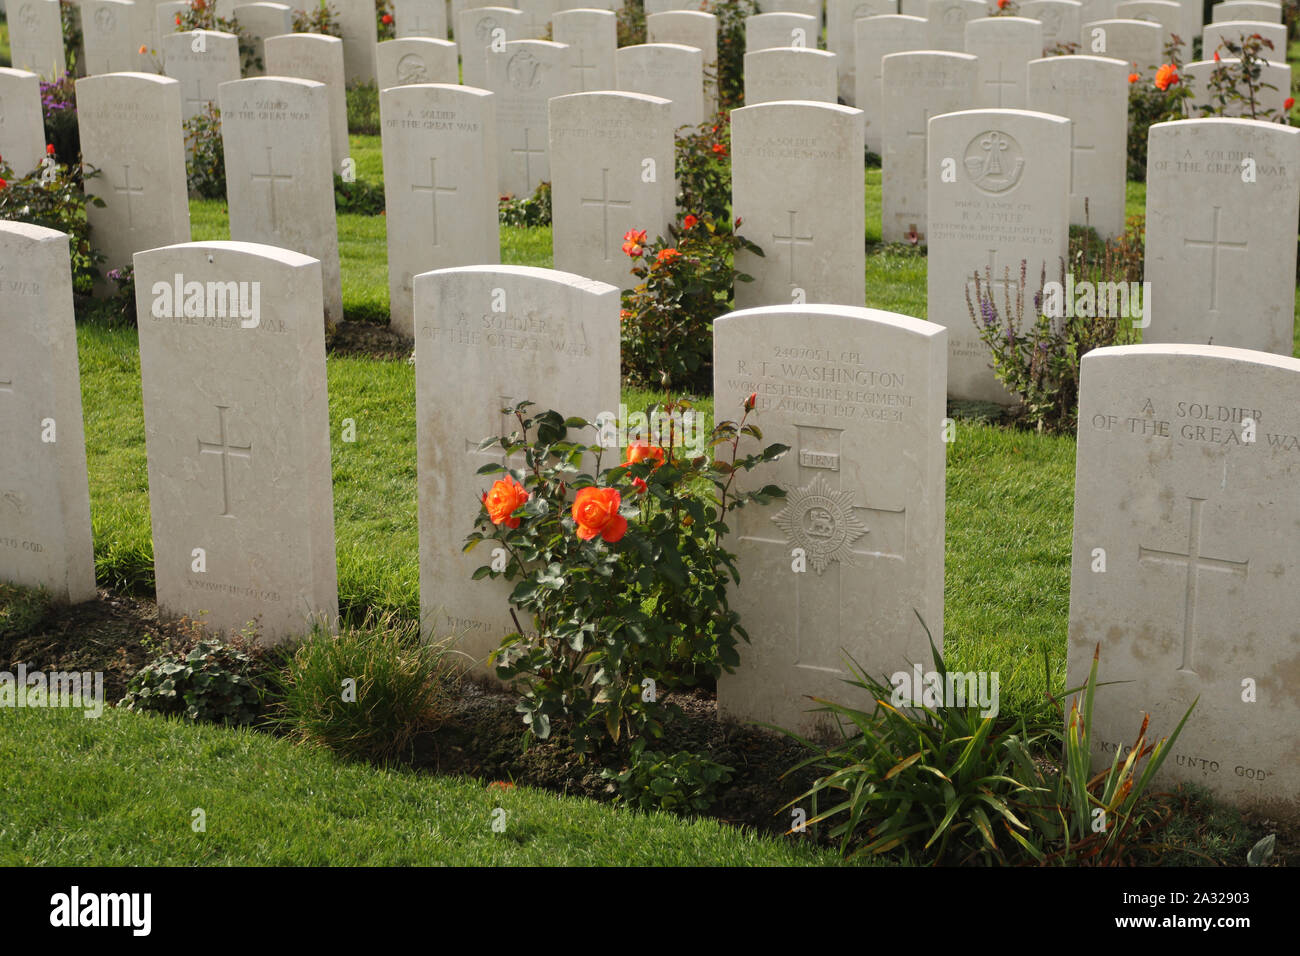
pixel 21 609
pixel 363 109
pixel 366 693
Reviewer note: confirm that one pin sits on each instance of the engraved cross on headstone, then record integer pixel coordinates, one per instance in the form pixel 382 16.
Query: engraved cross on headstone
pixel 1214 244
pixel 1076 149
pixel 271 177
pixel 1010 286
pixel 1195 562
pixel 821 517
pixel 582 66
pixel 226 451
pixel 999 83
pixel 433 189
pixel 198 100
pixel 527 154
pixel 792 240
pixel 604 202
pixel 128 190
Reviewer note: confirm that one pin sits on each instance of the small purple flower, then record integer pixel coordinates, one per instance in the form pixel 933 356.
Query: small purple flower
pixel 988 313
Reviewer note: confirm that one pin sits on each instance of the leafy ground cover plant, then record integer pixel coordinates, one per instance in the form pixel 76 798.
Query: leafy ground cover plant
pixel 53 196
pixel 205 157
pixel 220 681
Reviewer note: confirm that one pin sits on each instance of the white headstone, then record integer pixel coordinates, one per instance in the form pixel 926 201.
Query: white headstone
pixel 1136 42
pixel 524 78
pixel 797 186
pixel 311 56
pixel 611 163
pixel 670 70
pixel 1271 94
pixel 415 60
pixel 997 194
pixel 201 60
pixel 841 36
pixel 165 15
pixel 787 73
pixel 487 336
pixel 480 29
pixel 360 36
pixel 948 20
pixel 1246 10
pixel 765 31
pixel 279 181
pixel 916 86
pixel 131 132
pixel 45 537
pixel 1166 14
pixel 1092 92
pixel 854 552
pixel 1235 30
pixel 1004 45
pixel 1061 20
pixel 1199 596
pixel 1222 199
pixel 36 38
pixel 258 21
pixel 22 130
pixel 238 435
pixel 112 32
pixel 440 185
pixel 877 38
pixel 537 17
pixel 691 28
pixel 420 18
pixel 592 36
pixel 811 8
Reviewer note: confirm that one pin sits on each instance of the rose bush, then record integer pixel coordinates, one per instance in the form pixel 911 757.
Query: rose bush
pixel 620 576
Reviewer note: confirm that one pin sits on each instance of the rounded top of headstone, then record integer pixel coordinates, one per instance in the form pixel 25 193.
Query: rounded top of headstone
pixel 253 249
pixel 938 54
pixel 620 96
pixel 903 18
pixel 264 4
pixel 14 72
pixel 786 51
pixel 536 273
pixel 298 38
pixel 106 79
pixel 249 82
pixel 780 104
pixel 584 12
pixel 681 14
pixel 905 323
pixel 1119 353
pixel 1079 59
pixel 416 89
pixel 1241 123
pixel 1112 21
pixel 417 42
pixel 1001 114
pixel 31 232
pixel 678 47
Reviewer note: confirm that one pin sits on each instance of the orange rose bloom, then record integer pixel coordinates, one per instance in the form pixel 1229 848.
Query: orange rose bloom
pixel 595 510
pixel 689 222
pixel 640 451
pixel 1133 77
pixel 1166 77
pixel 1288 103
pixel 506 495
pixel 666 256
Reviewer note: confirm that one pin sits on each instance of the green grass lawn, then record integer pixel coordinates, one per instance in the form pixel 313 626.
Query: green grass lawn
pixel 1010 494
pixel 128 786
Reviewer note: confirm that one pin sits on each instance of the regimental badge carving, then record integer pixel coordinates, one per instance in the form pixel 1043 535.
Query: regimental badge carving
pixel 994 161
pixel 13 500
pixel 105 19
pixel 822 522
pixel 524 70
pixel 411 69
pixel 1051 21
pixel 483 29
pixel 30 17
pixel 954 15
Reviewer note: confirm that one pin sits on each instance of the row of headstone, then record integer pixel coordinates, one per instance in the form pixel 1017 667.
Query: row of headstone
pixel 1197 443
